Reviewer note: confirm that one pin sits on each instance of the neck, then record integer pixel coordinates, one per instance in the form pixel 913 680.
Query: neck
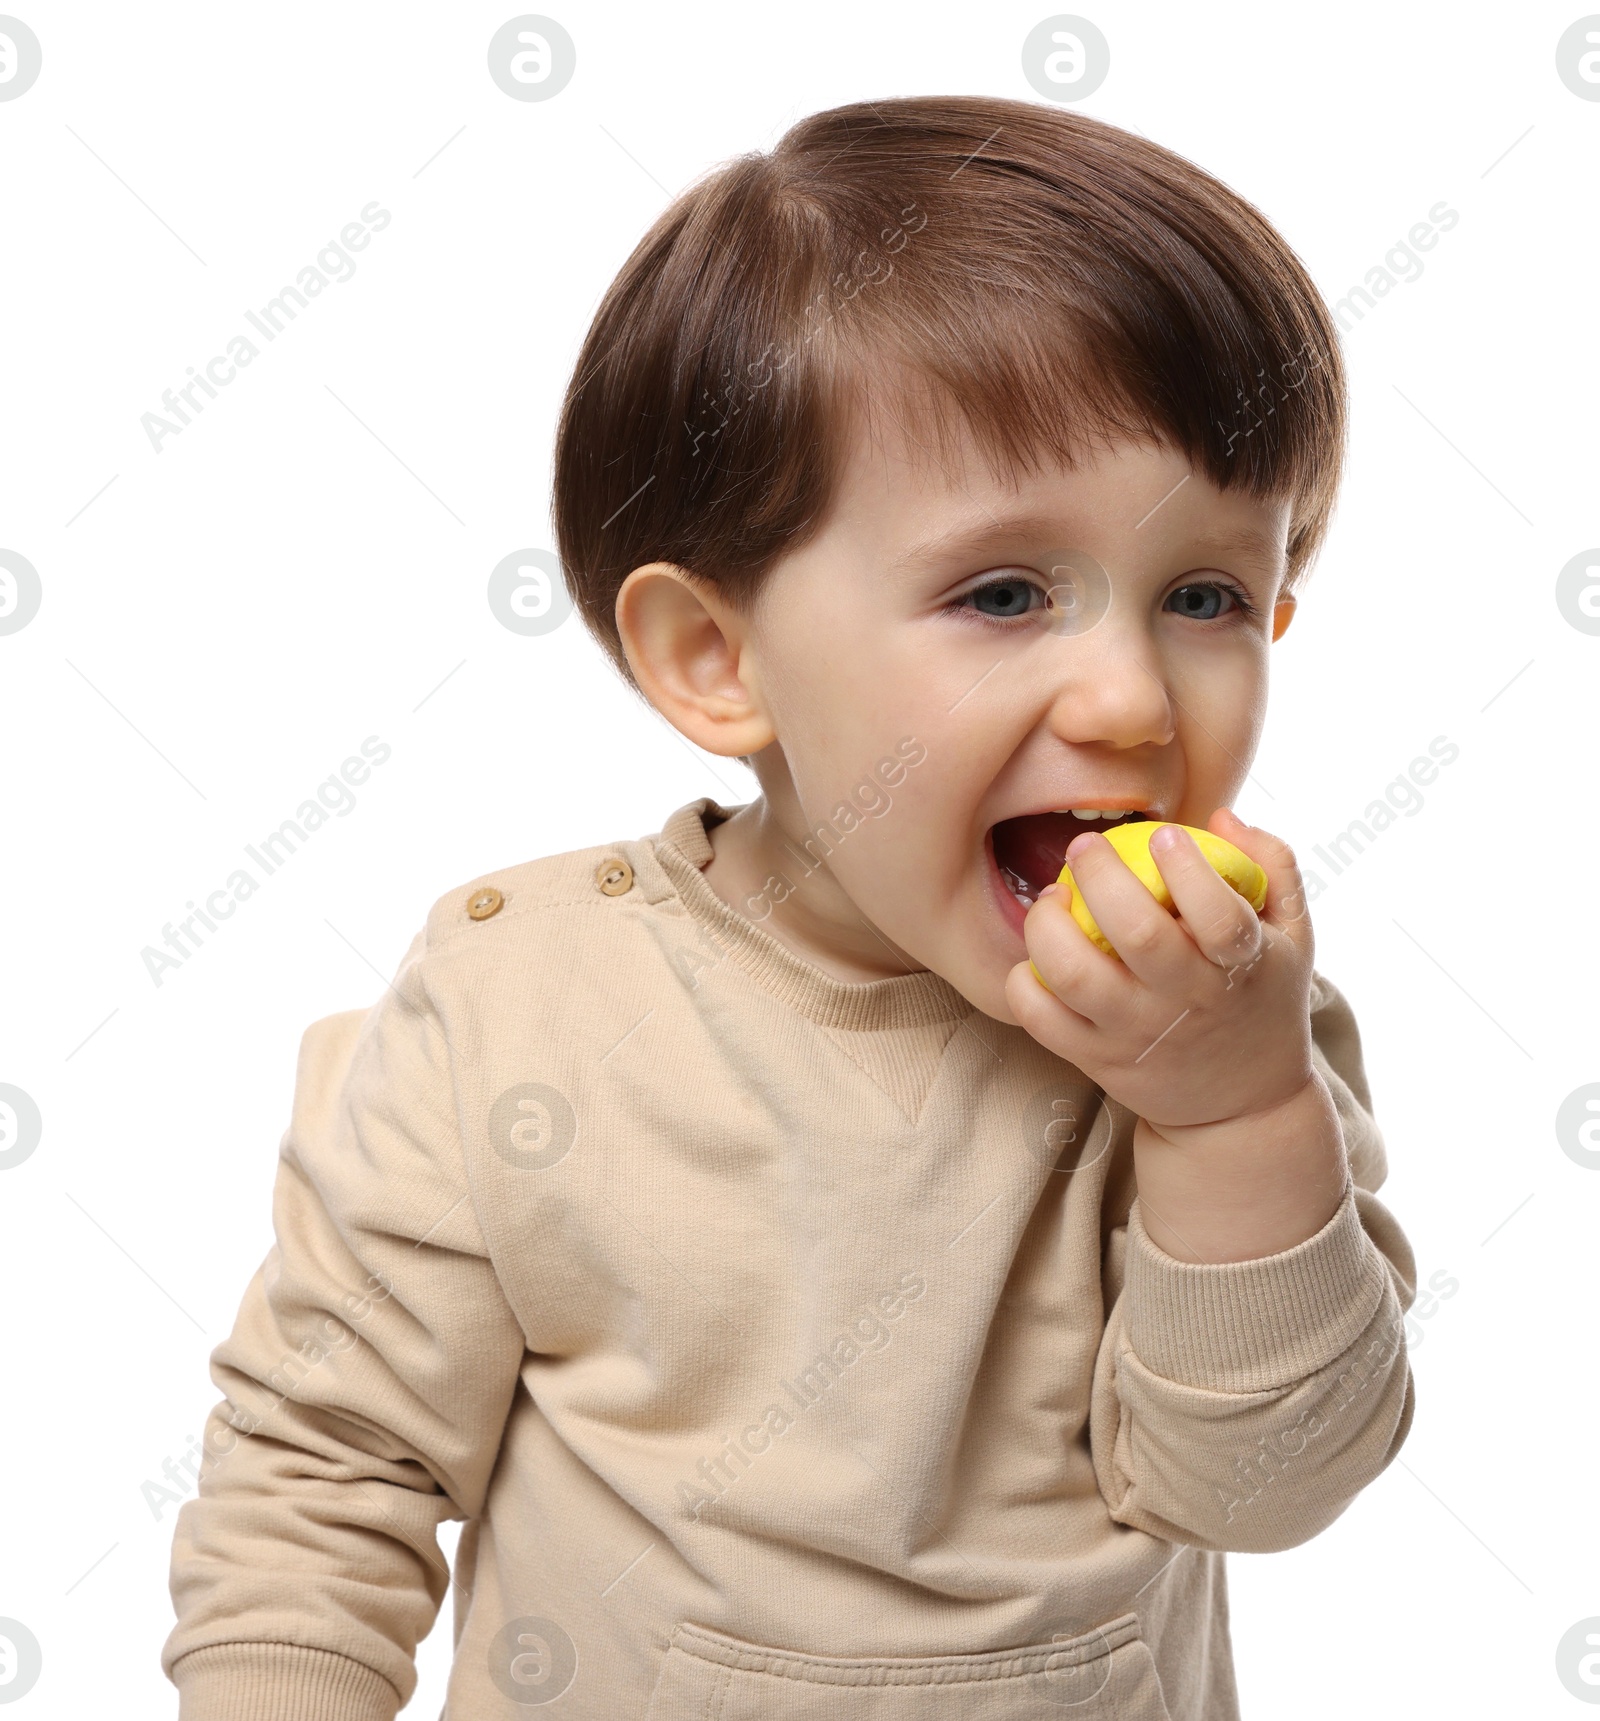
pixel 759 856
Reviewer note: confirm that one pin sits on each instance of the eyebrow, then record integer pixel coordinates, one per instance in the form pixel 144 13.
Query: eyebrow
pixel 968 540
pixel 1262 546
pixel 962 542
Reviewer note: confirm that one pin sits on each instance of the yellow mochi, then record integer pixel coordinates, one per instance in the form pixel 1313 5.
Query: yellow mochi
pixel 1132 843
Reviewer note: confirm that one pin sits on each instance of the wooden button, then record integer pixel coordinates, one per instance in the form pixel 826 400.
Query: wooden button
pixel 486 902
pixel 614 876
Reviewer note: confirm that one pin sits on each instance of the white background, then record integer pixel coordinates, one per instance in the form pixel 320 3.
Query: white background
pixel 303 567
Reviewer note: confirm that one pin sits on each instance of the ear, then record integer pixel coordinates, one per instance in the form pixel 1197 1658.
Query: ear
pixel 1282 615
pixel 690 653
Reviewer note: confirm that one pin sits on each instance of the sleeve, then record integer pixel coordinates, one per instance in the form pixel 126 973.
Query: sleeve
pixel 366 1385
pixel 1242 1406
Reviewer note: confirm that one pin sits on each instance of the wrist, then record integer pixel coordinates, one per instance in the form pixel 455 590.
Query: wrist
pixel 1245 1186
pixel 1292 1105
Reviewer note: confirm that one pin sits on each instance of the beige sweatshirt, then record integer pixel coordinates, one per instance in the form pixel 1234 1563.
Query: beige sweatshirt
pixel 792 1348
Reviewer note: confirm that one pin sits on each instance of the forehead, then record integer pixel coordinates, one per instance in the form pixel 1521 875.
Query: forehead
pixel 916 488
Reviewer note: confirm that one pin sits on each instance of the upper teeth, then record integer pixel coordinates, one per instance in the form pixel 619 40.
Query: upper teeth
pixel 1094 812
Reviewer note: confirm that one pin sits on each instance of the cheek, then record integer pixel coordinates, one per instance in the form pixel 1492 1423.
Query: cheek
pixel 1222 705
pixel 882 859
pixel 910 852
pixel 876 795
pixel 817 654
pixel 841 707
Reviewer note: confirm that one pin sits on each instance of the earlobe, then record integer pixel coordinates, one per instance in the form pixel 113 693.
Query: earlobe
pixel 1282 615
pixel 688 651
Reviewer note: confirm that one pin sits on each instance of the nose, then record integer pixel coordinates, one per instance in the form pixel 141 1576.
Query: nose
pixel 1110 690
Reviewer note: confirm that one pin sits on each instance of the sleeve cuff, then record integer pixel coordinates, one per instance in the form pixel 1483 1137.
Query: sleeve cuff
pixel 1253 1326
pixel 279 1682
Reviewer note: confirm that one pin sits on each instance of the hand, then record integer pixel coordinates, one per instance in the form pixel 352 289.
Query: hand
pixel 1204 1018
pixel 1203 1029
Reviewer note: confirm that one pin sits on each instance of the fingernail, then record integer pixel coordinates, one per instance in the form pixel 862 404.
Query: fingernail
pixel 1166 838
pixel 1046 891
pixel 1083 842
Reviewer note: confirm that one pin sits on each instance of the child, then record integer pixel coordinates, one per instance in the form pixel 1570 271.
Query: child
pixel 827 1285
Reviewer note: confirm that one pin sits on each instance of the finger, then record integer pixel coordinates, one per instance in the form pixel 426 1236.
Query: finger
pixel 1150 942
pixel 1054 1025
pixel 1070 965
pixel 1285 906
pixel 1216 917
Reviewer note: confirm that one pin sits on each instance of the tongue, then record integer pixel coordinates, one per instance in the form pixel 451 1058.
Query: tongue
pixel 1035 846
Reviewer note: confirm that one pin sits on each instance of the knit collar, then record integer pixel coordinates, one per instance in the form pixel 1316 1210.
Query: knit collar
pixel 683 848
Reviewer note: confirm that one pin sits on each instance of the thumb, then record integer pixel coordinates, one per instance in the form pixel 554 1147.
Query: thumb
pixel 1285 906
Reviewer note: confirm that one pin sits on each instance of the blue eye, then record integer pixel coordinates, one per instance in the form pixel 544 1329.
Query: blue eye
pixel 1010 597
pixel 1202 602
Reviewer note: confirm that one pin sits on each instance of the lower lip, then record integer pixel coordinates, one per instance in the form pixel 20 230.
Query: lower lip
pixel 1012 911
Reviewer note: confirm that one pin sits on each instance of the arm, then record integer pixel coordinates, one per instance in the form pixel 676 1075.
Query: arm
pixel 1243 1405
pixel 1252 1377
pixel 367 1381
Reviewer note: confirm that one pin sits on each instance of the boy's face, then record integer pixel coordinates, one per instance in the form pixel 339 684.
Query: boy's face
pixel 959 611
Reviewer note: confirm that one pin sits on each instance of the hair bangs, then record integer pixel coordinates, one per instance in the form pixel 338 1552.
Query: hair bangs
pixel 1040 280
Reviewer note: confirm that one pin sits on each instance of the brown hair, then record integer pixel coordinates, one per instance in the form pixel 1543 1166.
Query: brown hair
pixel 1054 280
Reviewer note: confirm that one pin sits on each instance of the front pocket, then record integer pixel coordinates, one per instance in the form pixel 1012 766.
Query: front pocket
pixel 1107 1674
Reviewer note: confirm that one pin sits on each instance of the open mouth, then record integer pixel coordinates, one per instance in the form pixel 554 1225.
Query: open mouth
pixel 1030 850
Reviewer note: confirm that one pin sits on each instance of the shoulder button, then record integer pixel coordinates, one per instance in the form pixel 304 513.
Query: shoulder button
pixel 614 876
pixel 485 902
